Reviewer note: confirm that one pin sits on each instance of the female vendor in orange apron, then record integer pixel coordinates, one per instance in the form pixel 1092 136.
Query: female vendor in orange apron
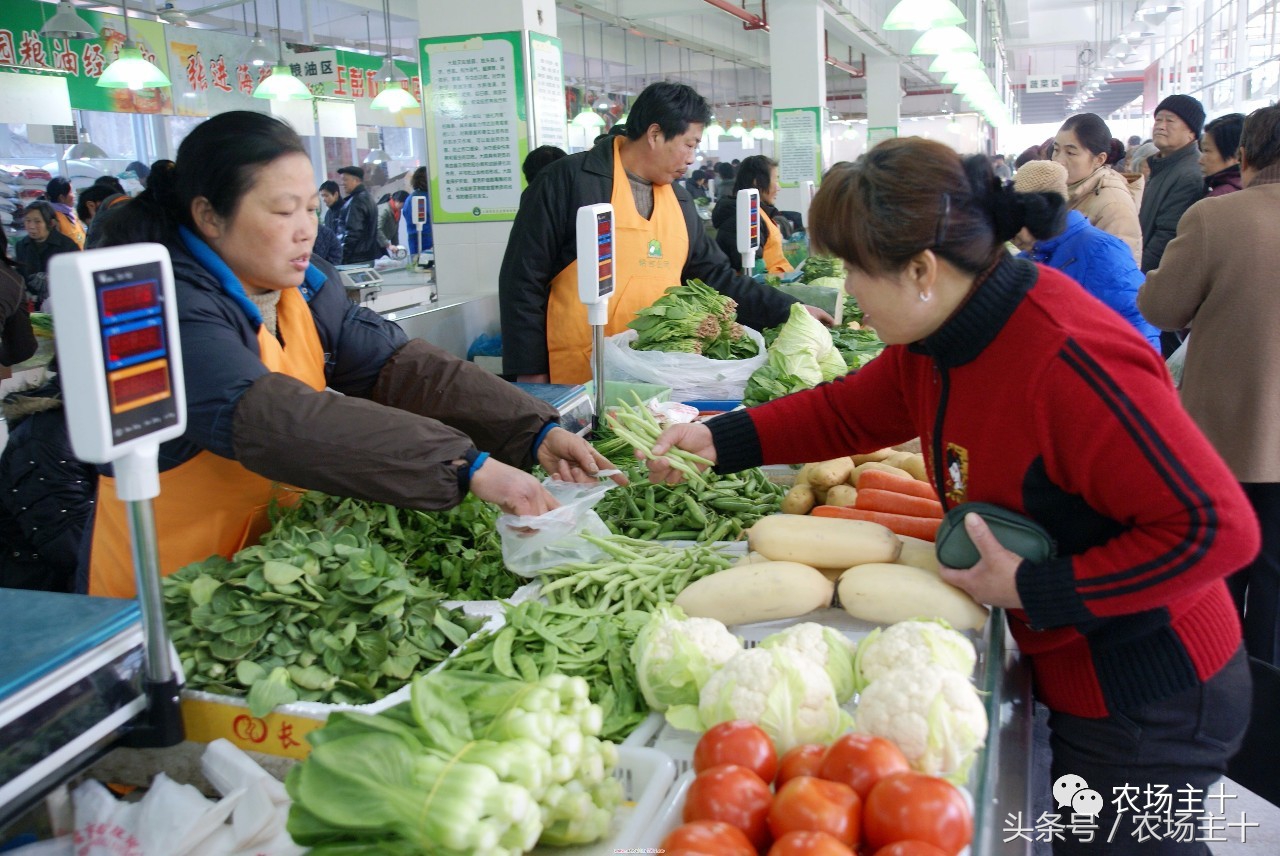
pixel 761 173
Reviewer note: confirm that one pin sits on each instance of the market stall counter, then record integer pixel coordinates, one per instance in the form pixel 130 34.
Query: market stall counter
pixel 448 313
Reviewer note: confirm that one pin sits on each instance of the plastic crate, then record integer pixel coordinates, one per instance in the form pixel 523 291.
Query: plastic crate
pixel 646 776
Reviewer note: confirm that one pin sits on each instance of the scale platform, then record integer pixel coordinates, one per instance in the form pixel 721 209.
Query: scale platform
pixel 571 400
pixel 71 680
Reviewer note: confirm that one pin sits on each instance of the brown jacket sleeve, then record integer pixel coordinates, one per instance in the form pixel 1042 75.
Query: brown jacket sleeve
pixel 499 418
pixel 347 446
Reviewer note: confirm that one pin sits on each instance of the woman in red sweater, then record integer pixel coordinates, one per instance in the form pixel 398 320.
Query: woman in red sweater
pixel 1025 396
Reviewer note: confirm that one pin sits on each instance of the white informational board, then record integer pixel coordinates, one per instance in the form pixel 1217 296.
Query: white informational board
pixel 33 99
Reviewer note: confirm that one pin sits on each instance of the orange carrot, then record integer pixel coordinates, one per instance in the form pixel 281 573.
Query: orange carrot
pixel 870 499
pixel 880 480
pixel 900 524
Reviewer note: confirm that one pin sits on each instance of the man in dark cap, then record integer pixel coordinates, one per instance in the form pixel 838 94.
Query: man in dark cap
pixel 1176 182
pixel 358 219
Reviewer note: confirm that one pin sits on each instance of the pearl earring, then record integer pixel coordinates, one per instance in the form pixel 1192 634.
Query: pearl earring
pixel 925 296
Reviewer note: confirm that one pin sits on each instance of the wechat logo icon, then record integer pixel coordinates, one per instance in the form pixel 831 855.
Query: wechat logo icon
pixel 1074 792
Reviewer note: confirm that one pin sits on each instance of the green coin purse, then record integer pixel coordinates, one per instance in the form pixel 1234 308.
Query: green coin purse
pixel 1017 533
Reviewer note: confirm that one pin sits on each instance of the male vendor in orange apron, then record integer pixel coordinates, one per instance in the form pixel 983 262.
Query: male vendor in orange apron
pixel 658 241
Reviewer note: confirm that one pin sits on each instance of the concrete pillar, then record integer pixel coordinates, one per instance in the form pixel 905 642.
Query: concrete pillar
pixel 798 75
pixel 884 98
pixel 468 255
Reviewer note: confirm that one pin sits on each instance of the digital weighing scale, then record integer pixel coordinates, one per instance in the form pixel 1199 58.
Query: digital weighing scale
pixel 82 672
pixel 570 399
pixel 362 282
pixel 594 228
pixel 749 237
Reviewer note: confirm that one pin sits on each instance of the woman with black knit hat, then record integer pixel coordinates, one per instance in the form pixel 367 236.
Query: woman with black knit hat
pixel 1055 411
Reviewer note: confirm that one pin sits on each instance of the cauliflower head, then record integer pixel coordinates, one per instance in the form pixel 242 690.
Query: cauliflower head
pixel 933 714
pixel 912 645
pixel 787 695
pixel 674 656
pixel 828 648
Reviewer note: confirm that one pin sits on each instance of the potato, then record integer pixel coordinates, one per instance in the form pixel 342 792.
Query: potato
pixel 759 592
pixel 822 542
pixel 918 553
pixel 897 459
pixel 820 495
pixel 915 466
pixel 842 495
pixel 799 500
pixel 802 476
pixel 879 455
pixel 830 473
pixel 886 593
pixel 876 465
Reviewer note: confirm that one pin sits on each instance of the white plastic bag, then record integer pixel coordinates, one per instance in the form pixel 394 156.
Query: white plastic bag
pixel 531 543
pixel 1177 361
pixel 691 377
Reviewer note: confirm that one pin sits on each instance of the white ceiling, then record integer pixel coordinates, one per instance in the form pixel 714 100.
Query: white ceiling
pixel 645 40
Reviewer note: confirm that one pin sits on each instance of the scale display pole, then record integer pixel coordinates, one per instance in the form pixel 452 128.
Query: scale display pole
pixel 748 212
pixel 418 216
pixel 120 363
pixel 595 283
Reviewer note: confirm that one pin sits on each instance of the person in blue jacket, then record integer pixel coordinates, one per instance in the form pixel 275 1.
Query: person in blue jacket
pixel 1099 261
pixel 418 181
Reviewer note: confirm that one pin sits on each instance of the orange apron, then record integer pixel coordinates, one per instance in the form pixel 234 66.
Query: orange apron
pixel 73 230
pixel 209 504
pixel 648 257
pixel 774 260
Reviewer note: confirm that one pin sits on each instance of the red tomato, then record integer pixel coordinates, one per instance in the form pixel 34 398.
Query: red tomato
pixel 734 795
pixel 809 844
pixel 737 742
pixel 807 804
pixel 910 848
pixel 709 836
pixel 803 760
pixel 860 760
pixel 915 807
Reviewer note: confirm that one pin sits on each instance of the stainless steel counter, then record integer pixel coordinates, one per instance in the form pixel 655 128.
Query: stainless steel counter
pixel 452 322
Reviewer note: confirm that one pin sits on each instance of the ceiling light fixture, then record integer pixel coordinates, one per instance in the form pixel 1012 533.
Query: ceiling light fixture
pixel 130 70
pixel 942 40
pixel 281 85
pixel 66 24
pixel 393 96
pixel 258 53
pixel 923 15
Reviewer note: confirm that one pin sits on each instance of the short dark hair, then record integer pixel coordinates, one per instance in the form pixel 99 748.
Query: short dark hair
pixel 1261 138
pixel 724 171
pixel 913 194
pixel 330 186
pixel 95 193
pixel 1134 140
pixel 220 161
pixel 352 170
pixel 44 209
pixel 1091 131
pixel 1226 131
pixel 539 158
pixel 400 196
pixel 756 171
pixel 673 107
pixel 109 181
pixel 418 181
pixel 57 188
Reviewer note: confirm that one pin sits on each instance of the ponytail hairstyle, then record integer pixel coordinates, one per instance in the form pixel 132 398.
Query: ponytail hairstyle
pixel 219 161
pixel 755 171
pixel 57 188
pixel 912 194
pixel 1117 152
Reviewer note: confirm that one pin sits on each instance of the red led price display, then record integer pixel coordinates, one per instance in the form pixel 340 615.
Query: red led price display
pixel 133 389
pixel 122 346
pixel 129 298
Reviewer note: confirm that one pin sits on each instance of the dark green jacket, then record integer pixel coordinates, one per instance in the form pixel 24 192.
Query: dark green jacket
pixel 1176 184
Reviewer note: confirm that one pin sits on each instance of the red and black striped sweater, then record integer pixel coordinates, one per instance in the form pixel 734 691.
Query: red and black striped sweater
pixel 1036 397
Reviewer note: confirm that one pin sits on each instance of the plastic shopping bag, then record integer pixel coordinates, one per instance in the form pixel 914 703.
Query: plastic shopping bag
pixel 531 543
pixel 1177 361
pixel 692 377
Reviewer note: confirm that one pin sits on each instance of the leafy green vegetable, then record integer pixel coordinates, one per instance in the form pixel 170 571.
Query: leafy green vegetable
pixel 695 319
pixel 540 640
pixel 458 550
pixel 857 346
pixel 818 267
pixel 801 356
pixel 307 614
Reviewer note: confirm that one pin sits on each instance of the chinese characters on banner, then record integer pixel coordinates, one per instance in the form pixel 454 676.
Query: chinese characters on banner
pixel 476 128
pixel 84 61
pixel 547 75
pixel 799 145
pixel 209 75
pixel 1044 83
pixel 355 76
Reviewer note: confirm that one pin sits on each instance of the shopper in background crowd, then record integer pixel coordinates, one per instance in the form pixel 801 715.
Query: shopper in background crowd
pixel 1000 168
pixel 87 204
pixel 1219 154
pixel 1029 154
pixel 104 209
pixel 724 180
pixel 331 196
pixel 421 190
pixel 140 171
pixel 1138 160
pixel 17 341
pixel 357 219
pixel 696 185
pixel 534 161
pixel 62 197
pixel 761 173
pixel 659 241
pixel 43 240
pixel 46 493
pixel 1099 261
pixel 1218 276
pixel 389 221
pixel 1130 632
pixel 267 330
pixel 327 245
pixel 1107 198
pixel 109 181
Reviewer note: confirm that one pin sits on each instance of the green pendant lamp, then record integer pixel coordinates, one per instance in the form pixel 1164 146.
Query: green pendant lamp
pixel 393 97
pixel 130 70
pixel 942 40
pixel 923 15
pixel 954 61
pixel 281 85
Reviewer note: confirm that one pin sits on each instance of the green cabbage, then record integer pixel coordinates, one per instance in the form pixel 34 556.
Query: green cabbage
pixel 801 356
